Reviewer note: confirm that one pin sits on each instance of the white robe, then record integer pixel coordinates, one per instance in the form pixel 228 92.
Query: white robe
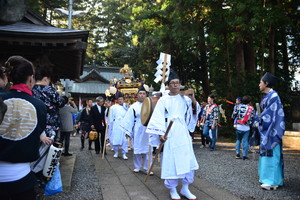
pixel 116 134
pixel 178 154
pixel 133 127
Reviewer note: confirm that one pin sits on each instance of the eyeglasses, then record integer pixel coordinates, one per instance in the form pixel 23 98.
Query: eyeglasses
pixel 175 83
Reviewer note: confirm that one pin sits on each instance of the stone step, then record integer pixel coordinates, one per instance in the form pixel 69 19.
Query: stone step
pixel 291 139
pixel 67 164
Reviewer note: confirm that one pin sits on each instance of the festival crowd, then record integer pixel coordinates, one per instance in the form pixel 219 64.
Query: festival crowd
pixel 35 119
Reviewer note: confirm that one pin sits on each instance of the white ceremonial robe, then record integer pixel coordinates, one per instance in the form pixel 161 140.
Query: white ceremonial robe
pixel 133 127
pixel 116 134
pixel 178 154
pixel 109 128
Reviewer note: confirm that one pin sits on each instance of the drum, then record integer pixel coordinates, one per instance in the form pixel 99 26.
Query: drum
pixel 147 109
pixel 93 135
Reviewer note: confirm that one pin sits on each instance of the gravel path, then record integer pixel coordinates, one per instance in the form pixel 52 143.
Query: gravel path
pixel 85 184
pixel 240 177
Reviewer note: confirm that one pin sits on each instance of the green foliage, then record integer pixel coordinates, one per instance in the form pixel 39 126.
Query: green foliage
pixel 201 36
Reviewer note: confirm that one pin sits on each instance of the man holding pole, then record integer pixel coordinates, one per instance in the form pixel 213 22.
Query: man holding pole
pixel 136 131
pixel 178 158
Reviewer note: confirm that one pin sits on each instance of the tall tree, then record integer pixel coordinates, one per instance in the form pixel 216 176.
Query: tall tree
pixel 216 46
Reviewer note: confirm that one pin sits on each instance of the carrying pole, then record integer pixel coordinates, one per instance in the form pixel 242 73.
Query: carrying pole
pixel 104 143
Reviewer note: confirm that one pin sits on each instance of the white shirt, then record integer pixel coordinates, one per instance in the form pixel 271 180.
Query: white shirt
pixel 242 127
pixel 99 108
pixel 13 171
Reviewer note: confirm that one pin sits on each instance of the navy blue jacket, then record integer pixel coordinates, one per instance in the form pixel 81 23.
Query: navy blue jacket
pixel 24 121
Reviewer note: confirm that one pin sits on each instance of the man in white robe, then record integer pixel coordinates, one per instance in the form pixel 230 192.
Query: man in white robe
pixel 117 137
pixel 136 131
pixel 178 158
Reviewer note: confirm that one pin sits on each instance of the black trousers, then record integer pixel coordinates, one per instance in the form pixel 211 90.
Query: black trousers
pixel 22 189
pixel 65 138
pixel 97 141
pixel 84 135
pixel 27 195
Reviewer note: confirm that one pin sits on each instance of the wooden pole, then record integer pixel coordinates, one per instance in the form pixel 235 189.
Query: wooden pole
pixel 158 151
pixel 149 156
pixel 104 144
pixel 164 69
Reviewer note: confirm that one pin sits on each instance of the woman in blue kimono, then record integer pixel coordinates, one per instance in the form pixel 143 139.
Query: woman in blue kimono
pixel 271 127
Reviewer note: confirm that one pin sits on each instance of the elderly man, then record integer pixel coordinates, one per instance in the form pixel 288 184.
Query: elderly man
pixel 178 158
pixel 98 122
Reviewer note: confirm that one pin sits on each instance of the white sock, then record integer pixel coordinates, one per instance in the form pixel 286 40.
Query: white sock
pixel 186 192
pixel 174 194
pixel 124 156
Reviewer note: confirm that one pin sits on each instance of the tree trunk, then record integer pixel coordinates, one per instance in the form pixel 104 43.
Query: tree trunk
pixel 240 62
pixel 51 16
pixel 285 62
pixel 262 57
pixel 271 67
pixel 203 62
pixel 228 74
pixel 45 13
pixel 285 59
pixel 250 65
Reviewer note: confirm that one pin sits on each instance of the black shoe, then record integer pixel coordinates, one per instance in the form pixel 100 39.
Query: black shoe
pixel 237 156
pixel 97 152
pixel 81 148
pixel 67 154
pixel 245 158
pixel 90 148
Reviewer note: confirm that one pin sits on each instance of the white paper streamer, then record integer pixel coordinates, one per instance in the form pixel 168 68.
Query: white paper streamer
pixel 160 64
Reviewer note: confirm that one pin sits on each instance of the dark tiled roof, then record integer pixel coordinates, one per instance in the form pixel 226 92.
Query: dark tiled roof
pixel 21 28
pixel 36 39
